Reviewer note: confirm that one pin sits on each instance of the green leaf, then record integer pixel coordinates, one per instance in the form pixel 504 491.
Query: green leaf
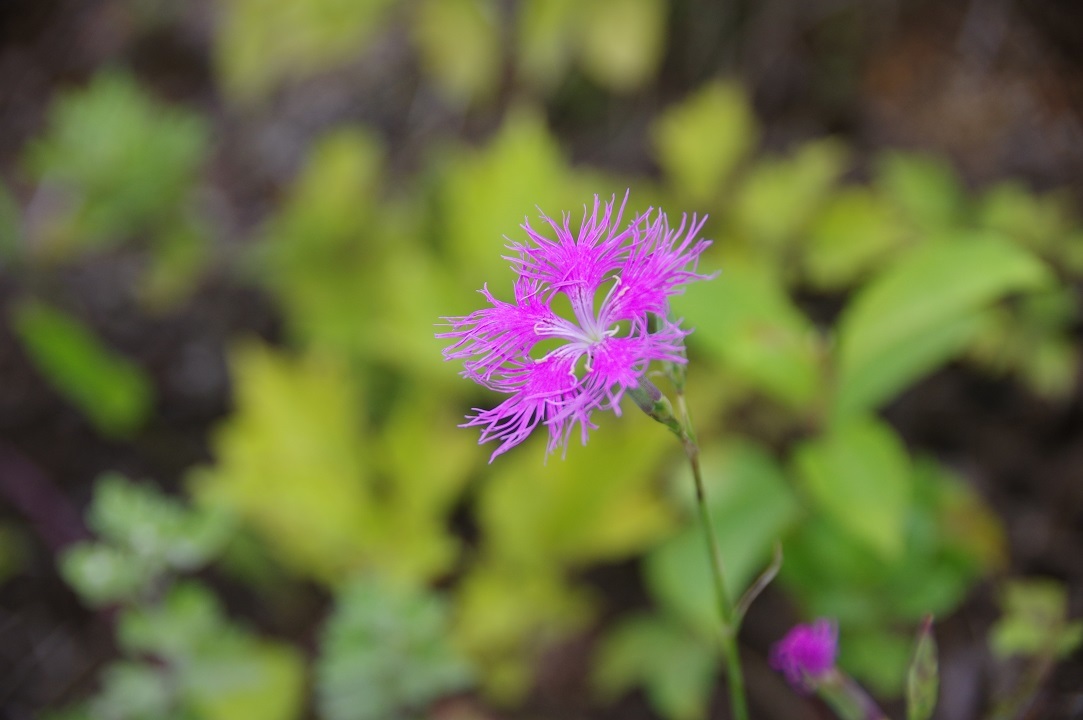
pixel 485 195
pixel 1039 223
pixel 177 628
pixel 413 288
pixel 621 41
pixel 921 311
pixel 385 654
pixel 141 520
pixel 676 668
pixel 537 519
pixel 1050 368
pixel 116 164
pixel 103 574
pixel 853 233
pixel 746 321
pixel 180 254
pixel 859 475
pixel 414 535
pixel 253 679
pixel 877 656
pixel 779 196
pixel 1070 252
pixel 1034 621
pixel 700 141
pixel 216 669
pixel 967 527
pixel 832 575
pixel 507 614
pixel 321 250
pixel 751 506
pixel 459 45
pixel 111 391
pixel 545 39
pixel 951 539
pixel 261 43
pixel 923 679
pixel 923 187
pixel 1031 339
pixel 291 461
pixel 600 504
pixel 135 691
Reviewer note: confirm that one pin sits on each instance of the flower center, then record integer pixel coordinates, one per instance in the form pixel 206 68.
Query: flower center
pixel 577 338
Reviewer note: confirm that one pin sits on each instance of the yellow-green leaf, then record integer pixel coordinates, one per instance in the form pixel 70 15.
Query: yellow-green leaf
pixel 545 39
pixel 292 461
pixel 262 681
pixel 261 43
pixel 459 45
pixel 506 615
pixel 700 141
pixel 601 503
pixel 319 252
pixel 779 195
pixel 924 188
pixel 854 231
pixel 487 194
pixel 621 41
pixel 921 311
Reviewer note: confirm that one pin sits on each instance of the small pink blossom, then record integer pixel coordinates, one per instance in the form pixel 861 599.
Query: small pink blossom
pixel 807 654
pixel 617 281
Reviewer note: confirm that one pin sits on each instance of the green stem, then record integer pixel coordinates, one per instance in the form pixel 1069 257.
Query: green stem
pixel 651 401
pixel 848 699
pixel 738 703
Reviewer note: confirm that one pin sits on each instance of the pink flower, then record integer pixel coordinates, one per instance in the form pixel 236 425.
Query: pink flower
pixel 807 654
pixel 616 280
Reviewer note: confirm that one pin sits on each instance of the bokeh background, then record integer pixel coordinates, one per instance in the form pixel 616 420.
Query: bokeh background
pixel 231 481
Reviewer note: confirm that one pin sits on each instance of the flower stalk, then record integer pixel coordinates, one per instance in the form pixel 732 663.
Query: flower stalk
pixel 806 656
pixel 655 404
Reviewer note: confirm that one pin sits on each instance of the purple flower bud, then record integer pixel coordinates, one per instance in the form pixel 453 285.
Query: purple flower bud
pixel 806 656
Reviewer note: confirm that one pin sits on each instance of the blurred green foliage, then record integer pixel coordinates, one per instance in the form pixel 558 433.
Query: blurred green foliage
pixel 385 654
pixel 340 461
pixel 672 654
pixel 261 44
pixel 299 418
pixel 114 393
pixel 700 143
pixel 676 668
pixel 460 44
pixel 144 537
pixel 115 163
pixel 212 667
pixel 1034 632
pixel 921 311
pixel 1035 621
pixel 182 657
pixel 115 167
